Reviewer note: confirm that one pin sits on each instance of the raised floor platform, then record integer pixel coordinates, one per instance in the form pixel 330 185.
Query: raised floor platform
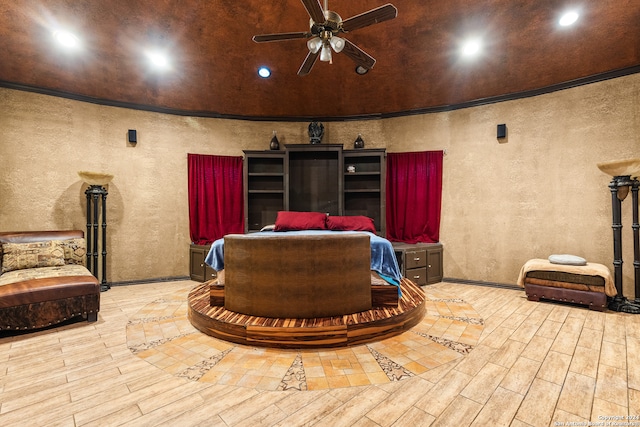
pixel 337 331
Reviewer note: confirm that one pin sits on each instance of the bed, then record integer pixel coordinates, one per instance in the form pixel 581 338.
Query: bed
pixel 383 258
pixel 311 265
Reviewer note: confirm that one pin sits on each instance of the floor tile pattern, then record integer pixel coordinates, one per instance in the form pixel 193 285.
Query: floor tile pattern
pixel 535 364
pixel 161 334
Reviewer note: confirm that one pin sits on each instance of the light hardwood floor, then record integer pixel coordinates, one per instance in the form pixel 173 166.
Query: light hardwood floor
pixel 535 364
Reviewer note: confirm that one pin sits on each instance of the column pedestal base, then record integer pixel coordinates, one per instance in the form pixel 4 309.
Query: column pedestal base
pixel 623 305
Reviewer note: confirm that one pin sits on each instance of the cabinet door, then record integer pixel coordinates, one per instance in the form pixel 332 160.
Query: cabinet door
pixel 434 265
pixel 196 263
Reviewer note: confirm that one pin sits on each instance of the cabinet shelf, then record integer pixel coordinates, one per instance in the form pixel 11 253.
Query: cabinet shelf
pixel 347 174
pixel 314 177
pixel 362 190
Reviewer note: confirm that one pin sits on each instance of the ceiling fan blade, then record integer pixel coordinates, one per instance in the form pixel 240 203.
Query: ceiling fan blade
pixel 280 37
pixel 358 55
pixel 379 14
pixel 307 65
pixel 314 9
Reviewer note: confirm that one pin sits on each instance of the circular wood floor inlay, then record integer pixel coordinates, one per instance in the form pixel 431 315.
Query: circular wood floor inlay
pixel 161 334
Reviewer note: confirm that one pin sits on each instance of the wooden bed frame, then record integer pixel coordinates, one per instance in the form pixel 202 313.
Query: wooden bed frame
pixel 297 276
pixel 304 291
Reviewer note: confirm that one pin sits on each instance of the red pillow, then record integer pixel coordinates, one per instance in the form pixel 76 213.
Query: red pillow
pixel 354 223
pixel 290 221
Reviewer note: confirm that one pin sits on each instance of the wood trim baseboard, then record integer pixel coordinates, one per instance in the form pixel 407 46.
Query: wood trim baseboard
pixel 482 283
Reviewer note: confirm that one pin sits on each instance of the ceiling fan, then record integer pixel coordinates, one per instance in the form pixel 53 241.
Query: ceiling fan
pixel 325 26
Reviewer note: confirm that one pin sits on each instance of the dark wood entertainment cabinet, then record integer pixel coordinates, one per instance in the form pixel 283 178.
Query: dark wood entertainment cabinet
pixel 322 178
pixel 314 177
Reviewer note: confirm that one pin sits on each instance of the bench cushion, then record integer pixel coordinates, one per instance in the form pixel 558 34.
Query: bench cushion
pixel 594 277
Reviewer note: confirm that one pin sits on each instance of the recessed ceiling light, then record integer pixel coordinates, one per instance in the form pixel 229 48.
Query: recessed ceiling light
pixel 158 60
pixel 471 47
pixel 66 39
pixel 264 72
pixel 568 18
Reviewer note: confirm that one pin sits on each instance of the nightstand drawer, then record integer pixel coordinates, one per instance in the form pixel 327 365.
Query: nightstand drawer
pixel 415 259
pixel 417 275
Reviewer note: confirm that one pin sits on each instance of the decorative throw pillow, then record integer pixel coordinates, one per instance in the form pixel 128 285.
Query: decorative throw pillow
pixel 290 221
pixel 18 256
pixel 75 251
pixel 567 259
pixel 354 223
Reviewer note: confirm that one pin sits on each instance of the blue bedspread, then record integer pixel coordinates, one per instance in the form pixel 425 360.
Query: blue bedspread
pixel 383 258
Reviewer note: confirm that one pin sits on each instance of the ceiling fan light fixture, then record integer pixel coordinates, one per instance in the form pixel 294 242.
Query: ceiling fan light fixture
pixel 324 28
pixel 314 44
pixel 337 44
pixel 325 53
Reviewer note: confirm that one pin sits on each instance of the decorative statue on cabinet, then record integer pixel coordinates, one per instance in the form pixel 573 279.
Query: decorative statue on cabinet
pixel 316 132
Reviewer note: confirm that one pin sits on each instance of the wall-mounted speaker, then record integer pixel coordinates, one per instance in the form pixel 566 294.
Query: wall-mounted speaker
pixel 502 131
pixel 133 136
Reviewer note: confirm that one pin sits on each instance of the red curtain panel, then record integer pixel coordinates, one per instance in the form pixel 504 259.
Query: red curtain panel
pixel 215 197
pixel 414 196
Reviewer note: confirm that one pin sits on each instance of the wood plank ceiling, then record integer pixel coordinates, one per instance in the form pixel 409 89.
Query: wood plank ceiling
pixel 215 62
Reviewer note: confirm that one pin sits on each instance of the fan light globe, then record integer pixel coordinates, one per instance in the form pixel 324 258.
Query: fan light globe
pixel 337 44
pixel 325 53
pixel 314 44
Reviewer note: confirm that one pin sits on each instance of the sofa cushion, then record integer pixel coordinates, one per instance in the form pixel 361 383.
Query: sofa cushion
pixel 43 273
pixel 75 251
pixel 19 256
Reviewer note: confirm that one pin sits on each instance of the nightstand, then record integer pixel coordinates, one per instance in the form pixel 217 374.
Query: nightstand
pixel 420 262
pixel 198 270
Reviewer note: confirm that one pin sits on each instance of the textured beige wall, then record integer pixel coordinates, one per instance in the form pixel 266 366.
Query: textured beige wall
pixel 537 193
pixel 45 140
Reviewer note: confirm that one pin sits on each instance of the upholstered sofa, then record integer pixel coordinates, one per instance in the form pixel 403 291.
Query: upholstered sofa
pixel 44 280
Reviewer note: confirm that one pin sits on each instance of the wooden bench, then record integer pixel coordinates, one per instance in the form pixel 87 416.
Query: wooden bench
pixel 588 285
